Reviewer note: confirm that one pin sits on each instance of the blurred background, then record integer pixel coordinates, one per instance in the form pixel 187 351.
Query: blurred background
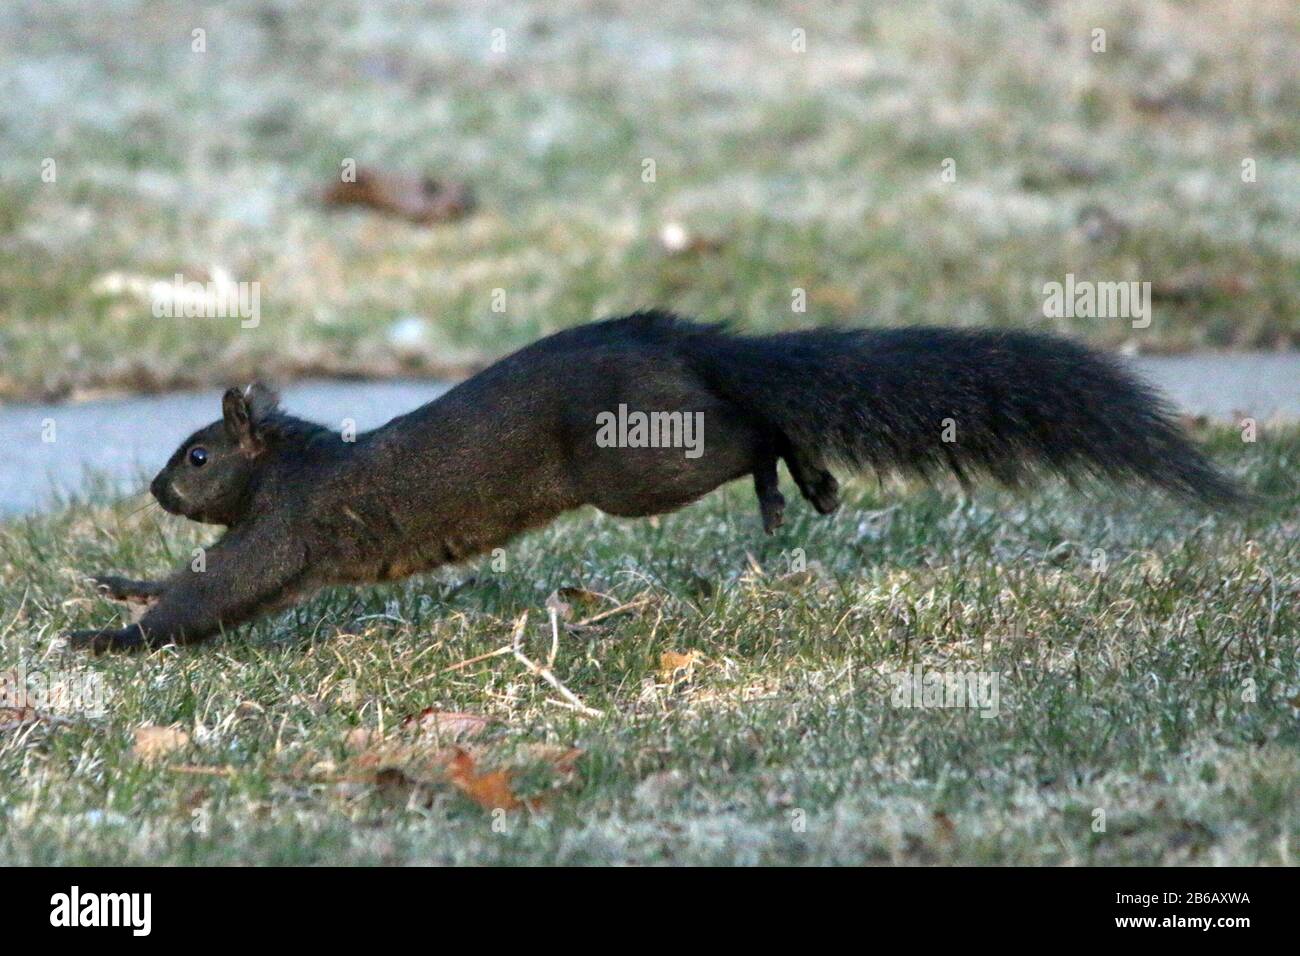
pixel 532 165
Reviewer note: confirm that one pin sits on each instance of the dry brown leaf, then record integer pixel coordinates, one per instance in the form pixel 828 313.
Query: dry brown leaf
pixel 490 790
pixel 393 754
pixel 373 752
pixel 12 718
pixel 676 666
pixel 563 610
pixel 563 759
pixel 154 743
pixel 360 738
pixel 447 724
pixel 564 600
pixel 396 769
pixel 417 198
pixel 945 831
pixel 580 596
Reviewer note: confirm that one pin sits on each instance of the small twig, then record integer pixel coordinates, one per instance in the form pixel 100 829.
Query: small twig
pixel 555 636
pixel 474 660
pixel 545 673
pixel 611 612
pixel 203 771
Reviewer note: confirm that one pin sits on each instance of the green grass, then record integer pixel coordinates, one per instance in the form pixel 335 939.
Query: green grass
pixel 815 170
pixel 1161 690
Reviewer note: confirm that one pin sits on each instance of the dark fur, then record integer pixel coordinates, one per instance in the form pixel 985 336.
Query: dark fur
pixel 515 446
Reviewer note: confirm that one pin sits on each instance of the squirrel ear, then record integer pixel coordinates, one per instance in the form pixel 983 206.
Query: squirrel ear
pixel 262 401
pixel 237 413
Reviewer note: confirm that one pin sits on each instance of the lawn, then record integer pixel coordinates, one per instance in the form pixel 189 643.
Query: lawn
pixel 722 697
pixel 798 152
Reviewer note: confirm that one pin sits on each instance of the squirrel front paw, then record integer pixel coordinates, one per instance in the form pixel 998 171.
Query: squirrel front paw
pixel 107 639
pixel 124 589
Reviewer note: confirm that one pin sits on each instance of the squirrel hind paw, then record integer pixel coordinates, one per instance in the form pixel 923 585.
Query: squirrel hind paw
pixel 772 508
pixel 823 493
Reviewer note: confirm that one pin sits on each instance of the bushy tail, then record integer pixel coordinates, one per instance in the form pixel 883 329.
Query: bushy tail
pixel 925 400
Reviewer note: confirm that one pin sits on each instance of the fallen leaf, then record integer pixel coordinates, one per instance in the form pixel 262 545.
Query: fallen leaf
pixel 446 724
pixel 563 609
pixel 563 759
pixel 373 752
pixel 945 830
pixel 580 596
pixel 564 601
pixel 490 790
pixel 360 738
pixel 12 718
pixel 419 199
pixel 153 743
pixel 674 666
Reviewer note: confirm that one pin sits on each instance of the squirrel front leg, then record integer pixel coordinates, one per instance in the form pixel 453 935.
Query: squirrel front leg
pixel 240 580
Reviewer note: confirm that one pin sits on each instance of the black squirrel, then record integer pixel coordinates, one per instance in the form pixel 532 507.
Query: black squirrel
pixel 529 438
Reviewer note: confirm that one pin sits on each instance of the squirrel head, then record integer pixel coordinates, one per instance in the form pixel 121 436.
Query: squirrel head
pixel 209 478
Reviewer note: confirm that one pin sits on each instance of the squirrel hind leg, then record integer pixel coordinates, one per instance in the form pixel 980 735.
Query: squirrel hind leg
pixel 815 482
pixel 771 503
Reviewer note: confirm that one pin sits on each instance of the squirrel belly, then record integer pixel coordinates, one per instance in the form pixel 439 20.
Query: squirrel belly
pixel 634 416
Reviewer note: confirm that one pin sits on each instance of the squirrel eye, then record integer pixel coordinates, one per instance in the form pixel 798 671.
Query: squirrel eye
pixel 198 456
